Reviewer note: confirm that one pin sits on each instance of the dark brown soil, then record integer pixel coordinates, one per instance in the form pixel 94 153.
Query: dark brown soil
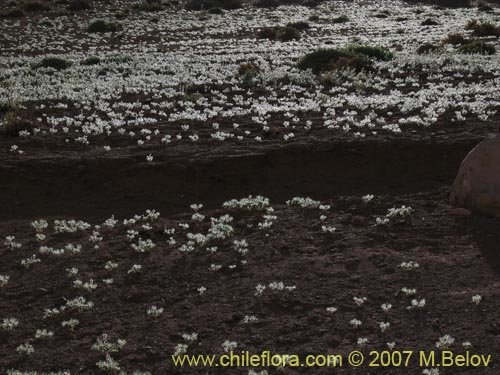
pixel 457 257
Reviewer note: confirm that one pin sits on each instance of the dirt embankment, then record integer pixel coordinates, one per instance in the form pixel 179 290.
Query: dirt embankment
pixel 96 187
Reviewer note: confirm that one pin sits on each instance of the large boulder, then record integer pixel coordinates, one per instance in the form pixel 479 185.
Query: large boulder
pixel 477 186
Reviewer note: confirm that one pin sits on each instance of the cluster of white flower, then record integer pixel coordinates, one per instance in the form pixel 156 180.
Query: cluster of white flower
pixel 8 324
pixel 402 212
pixel 25 349
pixel 154 311
pixel 143 246
pixel 251 203
pixel 229 346
pixel 79 304
pixel 409 266
pixel 103 344
pixel 70 226
pixel 303 202
pixel 476 299
pixel 445 342
pixel 11 243
pixel 43 334
pixel 416 304
pixel 4 280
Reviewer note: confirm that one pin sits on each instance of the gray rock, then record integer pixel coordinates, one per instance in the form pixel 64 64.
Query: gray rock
pixel 477 185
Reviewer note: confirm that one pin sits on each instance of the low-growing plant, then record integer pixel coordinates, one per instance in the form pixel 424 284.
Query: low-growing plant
pixel 477 47
pixel 482 29
pixel 301 25
pixel 148 6
pixel 340 19
pixel 429 22
pixel 284 34
pixel 455 39
pixel 8 106
pixel 355 56
pixel 247 72
pixel 53 62
pixel 102 26
pixel 93 60
pixel 427 48
pixel 209 4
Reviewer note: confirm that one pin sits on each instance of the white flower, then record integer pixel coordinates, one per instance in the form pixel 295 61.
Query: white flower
pixel 409 266
pixel 136 268
pixel 25 349
pixel 367 198
pixel 476 299
pixel 8 324
pixel 402 211
pixel 4 280
pixel 180 349
pixel 190 337
pixel 355 323
pixel 359 300
pixel 467 344
pixel 229 346
pixel 416 304
pixel 383 326
pixel 362 341
pixel 154 311
pixel 432 371
pixel 331 310
pixel 445 342
pixel 386 307
pixel 259 289
pixel 149 158
pixel 249 319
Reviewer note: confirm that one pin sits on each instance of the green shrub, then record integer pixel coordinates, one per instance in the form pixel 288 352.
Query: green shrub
pixel 287 34
pixel 340 19
pixel 427 48
pixel 483 29
pixel 284 34
pixel 267 33
pixel 101 26
pixel 56 63
pixel 148 6
pixel 301 25
pixel 247 72
pixel 429 22
pixel 478 47
pixel 377 53
pixel 455 39
pixel 209 4
pixel 7 106
pixel 12 124
pixel 355 56
pixel 93 60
